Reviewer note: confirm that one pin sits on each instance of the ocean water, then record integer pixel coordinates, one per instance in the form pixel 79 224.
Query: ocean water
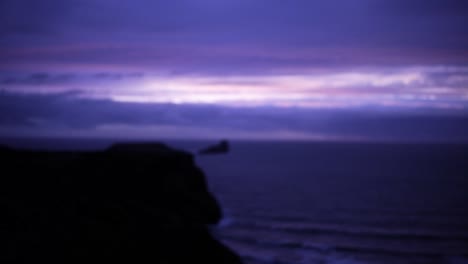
pixel 343 203
pixel 306 202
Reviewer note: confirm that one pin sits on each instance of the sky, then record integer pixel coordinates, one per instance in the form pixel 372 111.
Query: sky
pixel 391 70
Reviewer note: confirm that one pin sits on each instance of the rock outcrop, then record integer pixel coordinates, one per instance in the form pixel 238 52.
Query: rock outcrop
pixel 133 203
pixel 221 148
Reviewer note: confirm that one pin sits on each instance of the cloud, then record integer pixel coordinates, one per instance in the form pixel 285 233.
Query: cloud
pixel 427 7
pixel 233 35
pixel 406 87
pixel 36 18
pixel 33 112
pixel 44 78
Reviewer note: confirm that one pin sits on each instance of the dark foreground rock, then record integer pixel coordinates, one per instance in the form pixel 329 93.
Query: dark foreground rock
pixel 132 203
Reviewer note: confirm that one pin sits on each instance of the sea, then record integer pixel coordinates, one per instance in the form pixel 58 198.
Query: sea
pixel 291 202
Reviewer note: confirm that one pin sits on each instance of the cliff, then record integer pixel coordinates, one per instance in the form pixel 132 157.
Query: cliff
pixel 132 203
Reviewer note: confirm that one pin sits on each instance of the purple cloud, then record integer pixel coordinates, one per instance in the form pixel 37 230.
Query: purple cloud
pixel 33 112
pixel 371 68
pixel 234 36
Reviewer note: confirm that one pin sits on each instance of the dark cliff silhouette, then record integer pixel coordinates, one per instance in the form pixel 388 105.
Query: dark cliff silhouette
pixel 133 203
pixel 220 148
pixel 4 148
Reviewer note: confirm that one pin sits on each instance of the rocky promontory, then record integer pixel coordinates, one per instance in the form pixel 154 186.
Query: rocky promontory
pixel 132 202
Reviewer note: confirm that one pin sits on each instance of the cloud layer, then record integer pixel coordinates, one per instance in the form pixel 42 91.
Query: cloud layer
pixel 357 68
pixel 431 87
pixel 212 37
pixel 67 115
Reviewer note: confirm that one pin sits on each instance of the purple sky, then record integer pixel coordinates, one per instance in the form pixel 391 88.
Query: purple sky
pixel 253 69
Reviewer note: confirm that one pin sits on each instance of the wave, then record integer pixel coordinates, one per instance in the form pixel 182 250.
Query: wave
pixel 312 228
pixel 304 260
pixel 394 245
pixel 307 252
pixel 262 254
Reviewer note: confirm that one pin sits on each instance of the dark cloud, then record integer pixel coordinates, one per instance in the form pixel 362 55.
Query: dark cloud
pixel 37 79
pixel 199 36
pixel 43 78
pixel 37 18
pixel 449 8
pixel 118 76
pixel 29 112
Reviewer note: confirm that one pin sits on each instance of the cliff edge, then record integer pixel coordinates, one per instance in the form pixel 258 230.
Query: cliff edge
pixel 131 202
